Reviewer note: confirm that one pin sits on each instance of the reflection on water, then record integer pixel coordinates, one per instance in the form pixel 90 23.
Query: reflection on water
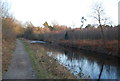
pixel 85 65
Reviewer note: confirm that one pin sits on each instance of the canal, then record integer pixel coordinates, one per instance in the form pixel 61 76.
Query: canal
pixel 85 64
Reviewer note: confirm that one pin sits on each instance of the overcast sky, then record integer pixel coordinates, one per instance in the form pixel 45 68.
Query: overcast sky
pixel 64 12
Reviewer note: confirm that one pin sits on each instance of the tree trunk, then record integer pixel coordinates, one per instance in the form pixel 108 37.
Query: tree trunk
pixel 101 72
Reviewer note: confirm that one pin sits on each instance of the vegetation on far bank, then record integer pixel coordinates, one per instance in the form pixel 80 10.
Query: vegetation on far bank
pixel 88 38
pixel 96 46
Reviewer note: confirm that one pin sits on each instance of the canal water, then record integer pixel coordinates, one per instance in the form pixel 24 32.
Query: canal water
pixel 85 64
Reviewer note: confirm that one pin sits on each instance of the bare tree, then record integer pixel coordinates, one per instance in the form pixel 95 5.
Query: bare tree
pixel 98 14
pixel 4 7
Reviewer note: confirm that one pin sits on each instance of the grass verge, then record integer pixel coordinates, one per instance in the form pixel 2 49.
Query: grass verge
pixel 41 73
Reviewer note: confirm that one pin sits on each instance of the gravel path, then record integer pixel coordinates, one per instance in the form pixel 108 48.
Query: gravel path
pixel 21 67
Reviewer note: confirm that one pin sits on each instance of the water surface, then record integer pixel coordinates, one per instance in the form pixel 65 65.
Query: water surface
pixel 85 64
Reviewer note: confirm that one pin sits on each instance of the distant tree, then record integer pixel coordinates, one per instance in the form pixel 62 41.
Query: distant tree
pixel 98 14
pixel 89 26
pixel 45 24
pixel 48 26
pixel 66 35
pixel 18 27
pixel 82 21
pixel 59 27
pixel 28 24
pixel 28 34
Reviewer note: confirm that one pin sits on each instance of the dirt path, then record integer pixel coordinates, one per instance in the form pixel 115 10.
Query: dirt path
pixel 21 67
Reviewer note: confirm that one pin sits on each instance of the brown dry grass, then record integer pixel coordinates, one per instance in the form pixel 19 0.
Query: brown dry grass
pixel 111 46
pixel 7 52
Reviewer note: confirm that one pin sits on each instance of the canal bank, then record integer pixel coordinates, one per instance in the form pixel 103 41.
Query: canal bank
pixel 46 67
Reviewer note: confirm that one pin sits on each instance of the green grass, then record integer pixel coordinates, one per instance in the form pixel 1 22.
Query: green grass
pixel 41 73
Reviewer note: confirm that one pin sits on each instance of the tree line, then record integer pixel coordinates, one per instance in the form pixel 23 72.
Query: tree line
pixel 58 32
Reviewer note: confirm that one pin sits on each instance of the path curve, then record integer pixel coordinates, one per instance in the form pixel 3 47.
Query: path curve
pixel 21 66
